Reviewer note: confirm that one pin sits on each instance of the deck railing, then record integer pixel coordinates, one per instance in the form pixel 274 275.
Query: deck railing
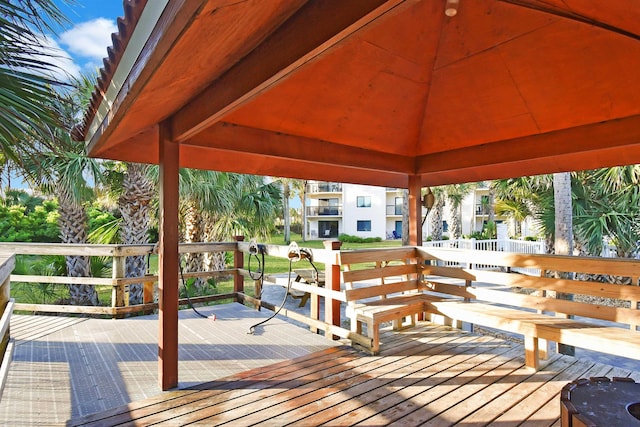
pixel 7 263
pixel 332 293
pixel 118 282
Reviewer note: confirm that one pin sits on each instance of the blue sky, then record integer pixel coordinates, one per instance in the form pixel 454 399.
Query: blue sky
pixel 83 43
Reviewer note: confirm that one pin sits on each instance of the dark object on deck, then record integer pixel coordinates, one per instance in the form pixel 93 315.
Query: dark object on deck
pixel 600 401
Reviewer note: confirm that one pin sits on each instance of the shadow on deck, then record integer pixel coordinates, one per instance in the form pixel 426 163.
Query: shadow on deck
pixel 428 374
pixel 69 367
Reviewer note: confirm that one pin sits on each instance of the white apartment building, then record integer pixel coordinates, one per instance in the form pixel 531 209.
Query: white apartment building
pixel 334 208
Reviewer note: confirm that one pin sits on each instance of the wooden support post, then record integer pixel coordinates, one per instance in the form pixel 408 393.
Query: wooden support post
pixel 168 261
pixel 415 210
pixel 147 294
pixel 332 281
pixel 257 293
pixel 117 292
pixel 238 262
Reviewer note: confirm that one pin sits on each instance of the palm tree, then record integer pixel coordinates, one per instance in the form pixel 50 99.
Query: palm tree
pixel 300 187
pixel 67 172
pixel 286 194
pixel 217 206
pixel 563 243
pixel 405 217
pixel 455 194
pixel 26 113
pixel 607 205
pixel 436 213
pixel 135 204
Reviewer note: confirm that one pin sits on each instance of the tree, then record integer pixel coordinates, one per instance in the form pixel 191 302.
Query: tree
pixel 69 174
pixel 436 213
pixel 607 206
pixel 216 206
pixel 26 113
pixel 455 194
pixel 405 217
pixel 563 244
pixel 135 205
pixel 300 187
pixel 286 194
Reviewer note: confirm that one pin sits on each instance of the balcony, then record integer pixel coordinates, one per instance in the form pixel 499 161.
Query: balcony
pixel 324 187
pixel 324 210
pixel 482 209
pixel 394 210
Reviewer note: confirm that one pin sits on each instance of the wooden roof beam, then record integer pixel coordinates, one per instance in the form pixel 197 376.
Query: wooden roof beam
pixel 225 160
pixel 611 143
pixel 228 136
pixel 314 29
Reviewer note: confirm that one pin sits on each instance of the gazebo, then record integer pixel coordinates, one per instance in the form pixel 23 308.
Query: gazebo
pixel 398 93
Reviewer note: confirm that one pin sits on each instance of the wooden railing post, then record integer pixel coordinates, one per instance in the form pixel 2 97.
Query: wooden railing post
pixel 147 293
pixel 117 291
pixel 238 262
pixel 332 281
pixel 7 264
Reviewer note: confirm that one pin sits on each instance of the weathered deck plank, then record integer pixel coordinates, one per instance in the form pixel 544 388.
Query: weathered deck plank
pixel 427 374
pixel 64 368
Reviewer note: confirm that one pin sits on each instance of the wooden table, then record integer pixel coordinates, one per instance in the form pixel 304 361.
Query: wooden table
pixel 308 276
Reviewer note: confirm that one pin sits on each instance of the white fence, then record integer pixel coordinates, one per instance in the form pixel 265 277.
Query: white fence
pixel 502 245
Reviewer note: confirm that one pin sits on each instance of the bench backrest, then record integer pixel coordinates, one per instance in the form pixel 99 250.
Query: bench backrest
pixel 380 272
pixel 538 292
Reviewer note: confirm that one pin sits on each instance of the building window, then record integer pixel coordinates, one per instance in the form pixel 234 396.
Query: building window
pixel 363 201
pixel 364 225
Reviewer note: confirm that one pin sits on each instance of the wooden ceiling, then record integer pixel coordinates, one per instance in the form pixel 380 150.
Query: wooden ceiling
pixel 375 91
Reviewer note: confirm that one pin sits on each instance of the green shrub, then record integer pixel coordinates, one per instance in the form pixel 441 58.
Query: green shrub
pixel 37 224
pixel 346 238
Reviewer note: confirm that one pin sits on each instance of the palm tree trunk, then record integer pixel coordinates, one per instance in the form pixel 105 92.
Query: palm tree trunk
pixel 436 218
pixel 73 229
pixel 492 203
pixel 211 260
pixel 303 198
pixel 563 242
pixel 286 193
pixel 193 233
pixel 456 226
pixel 405 217
pixel 135 208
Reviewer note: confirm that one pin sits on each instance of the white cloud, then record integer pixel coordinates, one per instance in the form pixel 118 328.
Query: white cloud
pixel 89 39
pixel 63 64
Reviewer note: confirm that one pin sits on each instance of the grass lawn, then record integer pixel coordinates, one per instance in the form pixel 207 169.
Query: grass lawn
pixel 281 265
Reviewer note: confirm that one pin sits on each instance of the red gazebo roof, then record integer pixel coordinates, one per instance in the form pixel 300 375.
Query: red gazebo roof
pixel 374 91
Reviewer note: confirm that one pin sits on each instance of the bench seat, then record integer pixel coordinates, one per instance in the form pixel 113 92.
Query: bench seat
pixel 535 326
pixel 395 308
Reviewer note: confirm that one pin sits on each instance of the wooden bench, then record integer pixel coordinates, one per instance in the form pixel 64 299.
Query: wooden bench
pixel 522 304
pixel 382 286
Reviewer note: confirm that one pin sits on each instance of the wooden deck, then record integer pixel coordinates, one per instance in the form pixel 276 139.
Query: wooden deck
pixel 65 367
pixel 429 375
